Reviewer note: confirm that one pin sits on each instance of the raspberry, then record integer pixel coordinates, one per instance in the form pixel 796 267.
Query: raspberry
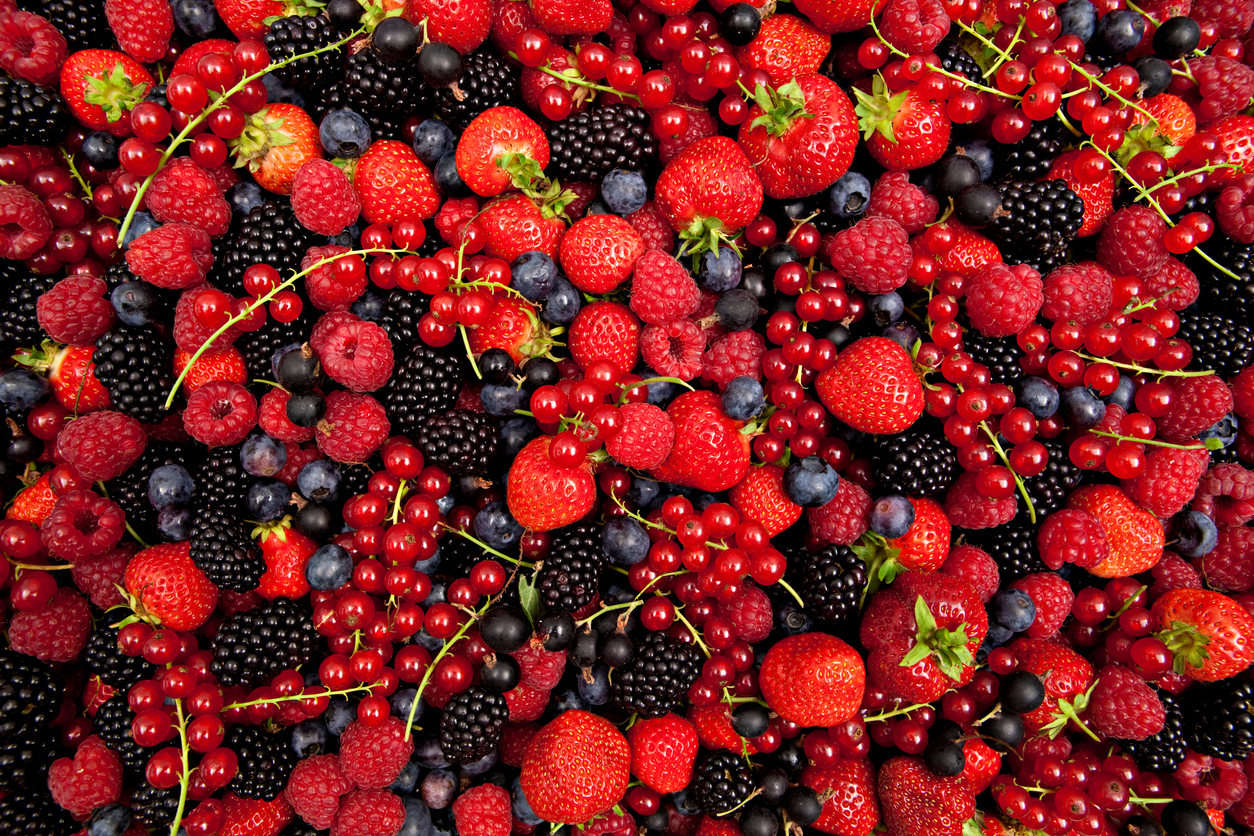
pixel 1231 18
pixel 31 48
pixel 1072 536
pixel 326 325
pixel 1123 706
pixel 1080 291
pixel 56 633
pixel 738 354
pixel 372 756
pixel 246 817
pixel 297 458
pixel 314 789
pixel 1234 210
pixel 143 27
pixel 1243 394
pixel 484 810
pixel 662 290
pixel 358 356
pixel 75 310
pixel 750 613
pixel 1169 480
pixel 353 427
pixel 915 26
pixel 273 418
pixel 873 255
pixel 332 286
pixel 893 196
pixel 1002 300
pixel 1225 87
pixel 102 445
pixel 976 567
pixel 323 197
pixel 1173 572
pixel 1230 565
pixel 673 349
pixel 99 575
pixel 190 335
pixel 1132 243
pixel 645 439
pixel 24 223
pixel 1052 596
pixel 1175 286
pixel 526 703
pixel 515 740
pixel 540 668
pixel 183 192
pixel 82 525
pixel 220 413
pixel 844 519
pixel 172 256
pixel 91 779
pixel 1199 403
pixel 369 813
pixel 967 508
pixel 1226 493
pixel 1209 781
pixel 653 228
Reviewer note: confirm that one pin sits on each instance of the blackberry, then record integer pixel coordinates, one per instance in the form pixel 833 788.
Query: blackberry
pixel 265 761
pixel 154 808
pixel 134 364
pixel 459 442
pixel 32 114
pixel 722 783
pixel 832 582
pixel 222 548
pixel 130 490
pixel 32 812
pixel 1000 354
pixel 383 125
pixel 83 25
pixel 1050 488
pixel 487 81
pixel 1030 157
pixel 1013 547
pixel 1222 343
pixel 30 693
pixel 1224 294
pixel 355 478
pixel 24 759
pixel 269 234
pixel 253 646
pixel 222 483
pixel 1164 751
pixel 572 569
pixel 106 660
pixel 457 556
pixel 402 310
pixel 295 35
pixel 590 144
pixel 19 326
pixel 1221 719
pixel 955 59
pixel 471 725
pixel 658 679
pixel 113 723
pixel 425 382
pixel 1039 218
pixel 918 462
pixel 260 346
pixel 375 89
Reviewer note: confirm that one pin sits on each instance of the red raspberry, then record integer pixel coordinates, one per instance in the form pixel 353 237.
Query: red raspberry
pixel 1173 572
pixel 190 335
pixel 1175 286
pixel 353 427
pixel 653 228
pixel 915 26
pixel 24 223
pixel 82 524
pixel 1123 706
pixel 374 812
pixel 358 356
pixel 102 445
pixel 975 566
pixel 183 192
pixel 323 197
pixel 673 349
pixel 1072 536
pixel 526 703
pixel 297 458
pixel 1231 18
pixel 484 810
pixel 220 413
pixel 91 779
pixel 1209 781
pixel 56 633
pixel 1243 394
pixel 662 290
pixel 1169 480
pixel 1224 86
pixel 75 310
pixel 750 613
pixel 31 48
pixel 1234 210
pixel 273 418
pixel 1052 596
pixel 329 286
pixel 966 507
pixel 540 668
pixel 326 325
pixel 645 439
pixel 737 354
pixel 1080 291
pixel 99 575
pixel 246 817
pixel 844 519
pixel 873 255
pixel 143 27
pixel 372 756
pixel 173 256
pixel 1132 243
pixel 452 218
pixel 314 790
pixel 515 739
pixel 1200 402
pixel 893 196
pixel 1226 494
pixel 1002 300
pixel 224 175
pixel 1230 565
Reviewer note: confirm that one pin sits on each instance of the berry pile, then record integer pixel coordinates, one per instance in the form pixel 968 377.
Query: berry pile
pixel 648 417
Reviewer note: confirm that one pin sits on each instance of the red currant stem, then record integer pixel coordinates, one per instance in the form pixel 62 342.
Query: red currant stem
pixel 1135 304
pixel 975 33
pixel 467 536
pixel 791 592
pixel 401 490
pixel 1147 15
pixel 440 654
pixel 1005 54
pixel 966 82
pixel 580 81
pixel 623 395
pixel 657 525
pixel 993 712
pixel 730 700
pixel 1206 169
pixel 1001 454
pixel 470 355
pixel 1142 369
pixel 1066 123
pixel 105 493
pixel 629 606
pixel 696 634
pixel 723 815
pixel 1187 72
pixel 35 568
pixel 1145 802
pixel 69 161
pixel 185 779
pixel 1112 93
pixel 525 413
pixel 292 697
pixel 1155 443
pixel 896 712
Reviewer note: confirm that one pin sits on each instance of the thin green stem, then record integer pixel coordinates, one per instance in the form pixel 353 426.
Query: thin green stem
pixel 1019 483
pixel 1150 441
pixel 696 634
pixel 435 661
pixel 1005 56
pixel 629 606
pixel 896 712
pixel 401 490
pixel 467 536
pixel 292 697
pixel 966 82
pixel 580 81
pixel 1112 93
pixel 791 592
pixel 1142 369
pixel 185 778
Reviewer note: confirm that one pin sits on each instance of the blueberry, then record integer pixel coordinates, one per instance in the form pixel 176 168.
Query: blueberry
pixel 447 180
pixel 891 516
pixel 737 309
pixel 330 567
pixel 1080 408
pixel 244 197
pixel 197 18
pixel 338 715
pixel 885 308
pixel 661 392
pixel 277 91
pixel 432 140
pixel 562 303
pixel 135 302
pixel 1196 534
pixel 904 334
pixel 1013 609
pixel 262 455
pixel 596 692
pixel 407 780
pixel 141 222
pixel 624 191
pixel 625 541
pixel 482 765
pixel 309 737
pixel 175 524
pixel 1037 395
pixel 811 482
pixel 597 207
pixel 721 271
pixel 1177 37
pixel 109 820
pixel 22 390
pixel 1225 429
pixel 1079 18
pixel 514 434
pixel 168 485
pixel 417 815
pixel 438 788
pixel 793 620
pixel 1124 395
pixel 100 148
pixel 849 195
pixel 495 526
pixel 997 636
pixel 521 806
pixel 319 480
pixel 743 399
pixel 569 701
pixel 533 274
pixel 643 491
pixel 501 401
pixel 268 500
pixel 1120 31
pixel 344 133
pixel 980 153
pixel 370 306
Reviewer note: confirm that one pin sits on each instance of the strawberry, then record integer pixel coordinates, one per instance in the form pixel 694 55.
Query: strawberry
pixel 710 452
pixel 101 86
pixel 1136 536
pixel 926 544
pixel 502 148
pixel 785 47
pixel 573 17
pixel 165 587
pixel 227 365
pixel 578 766
pixel 1172 117
pixel 285 551
pixel 1098 196
pixel 903 131
pixel 1067 676
pixel 714 728
pixel 247 18
pixel 800 136
pixel 515 224
pixel 393 183
pixel 513 326
pixel 917 803
pixel 33 503
pixel 543 495
pixel 663 751
pixel 813 679
pixel 1210 634
pixel 462 24
pixel 833 16
pixel 709 191
pixel 981 764
pixel 847 788
pixel 70 373
pixel 598 252
pixel 277 140
pixel 760 496
pixel 605 331
pixel 873 387
pixel 1236 142
pixel 971 252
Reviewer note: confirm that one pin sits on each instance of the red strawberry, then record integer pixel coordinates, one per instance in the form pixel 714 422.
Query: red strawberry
pixel 709 191
pixel 1211 635
pixel 573 17
pixel 503 147
pixel 1172 115
pixel 33 503
pixel 543 495
pixel 1067 676
pixel 971 252
pixel 513 326
pixel 785 47
pixel 710 452
pixel 247 18
pixel 578 766
pixel 873 387
pixel 1136 536
pixel 605 331
pixel 1236 141
pixel 101 86
pixel 1098 196
pixel 286 551
pixel 903 131
pixel 71 373
pixel 599 252
pixel 839 15
pixel 813 679
pixel 167 588
pixel 663 750
pixel 514 225
pixel 277 140
pixel 848 789
pixel 227 365
pixel 760 496
pixel 393 183
pixel 917 803
pixel 462 24
pixel 715 730
pixel 982 763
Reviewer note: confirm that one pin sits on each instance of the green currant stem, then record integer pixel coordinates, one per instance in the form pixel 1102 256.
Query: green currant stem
pixel 791 592
pixel 470 355
pixel 896 712
pixel 440 654
pixel 35 568
pixel 623 395
pixel 401 490
pixel 1001 59
pixel 1112 93
pixel 185 779
pixel 1142 369
pixel 580 81
pixel 966 82
pixel 696 635
pixel 629 606
pixel 657 525
pixel 292 697
pixel 1145 802
pixel 105 493
pixel 1019 483
pixel 970 30
pixel 467 536
pixel 1066 123
pixel 1150 441
pixel 746 800
pixel 69 161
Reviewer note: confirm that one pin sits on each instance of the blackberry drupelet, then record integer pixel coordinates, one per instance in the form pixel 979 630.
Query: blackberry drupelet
pixel 1012 546
pixel 154 808
pixel 24 759
pixel 402 311
pixel 487 81
pixel 134 364
pixel 590 144
pixel 30 693
pixel 1221 719
pixel 32 114
pixel 32 812
pixel 955 59
pixel 1030 157
pixel 1164 751
pixel 265 761
pixel 130 490
pixel 270 234
pixel 918 462
pixel 222 482
pixel 1041 219
pixel 1000 354
pixel 376 90
pixel 658 679
pixel 222 548
pixel 253 646
pixel 113 724
pixel 1224 294
pixel 459 442
pixel 1221 343
pixel 19 327
pixel 569 578
pixel 106 660
pixel 425 382
pixel 355 478
pixel 832 582
pixel 722 782
pixel 1050 488
pixel 457 556
pixel 295 35
pixel 83 25
pixel 471 725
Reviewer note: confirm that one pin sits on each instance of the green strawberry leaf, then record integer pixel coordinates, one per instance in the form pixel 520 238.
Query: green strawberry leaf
pixel 529 598
pixel 1187 644
pixel 114 93
pixel 780 108
pixel 917 654
pixel 877 110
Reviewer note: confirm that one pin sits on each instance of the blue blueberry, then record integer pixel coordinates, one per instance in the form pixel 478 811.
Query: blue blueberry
pixel 501 401
pixel 429 565
pixel 1037 395
pixel 268 500
pixel 685 803
pixel 721 271
pixel 344 133
pixel 597 206
pixel 426 640
pixel 438 788
pixel 262 455
pixel 495 526
pixel 135 302
pixel 244 197
pixel 432 140
pixel 643 491
pixel 1013 609
pixel 338 715
pixel 277 91
pixel 849 195
pixel 100 148
pixel 743 399
pixel 109 820
pixel 437 595
pixel 330 567
pixel 891 516
pixel 1124 395
pixel 175 524
pixel 1120 30
pixel 533 274
pixel 1079 18
pixel 625 541
pixel 904 334
pixel 624 191
pixel 1196 534
pixel 1225 429
pixel 309 737
pixel 319 481
pixel 407 780
pixel 447 180
pixel 981 153
pixel 482 765
pixel 885 308
pixel 197 18
pixel 168 485
pixel 596 692
pixel 402 701
pixel 1080 408
pixel 521 806
pixel 811 482
pixel 562 303
pixel 22 390
pixel 661 392
pixel 515 432
pixel 793 620
pixel 141 222
pixel 417 817
pixel 569 701
pixel 370 306
pixel 428 754
pixel 997 636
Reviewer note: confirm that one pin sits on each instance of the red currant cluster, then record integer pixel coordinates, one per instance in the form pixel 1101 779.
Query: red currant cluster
pixel 1118 618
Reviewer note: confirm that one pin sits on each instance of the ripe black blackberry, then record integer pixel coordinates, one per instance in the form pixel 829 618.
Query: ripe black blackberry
pixel 571 572
pixel 1012 546
pixel 269 234
pixel 457 556
pixel 83 25
pixel 459 442
pixel 955 59
pixel 19 326
pixel 134 364
pixel 831 582
pixel 1164 751
pixel 658 679
pixel 266 761
pixel 154 808
pixel 383 125
pixel 1000 354
pixel 222 482
pixel 253 646
pixel 24 759
pixel 130 490
pixel 31 113
pixel 104 658
pixel 918 462
pixel 1041 218
pixel 32 812
pixel 296 35
pixel 260 346
pixel 1224 294
pixel 30 693
pixel 722 783
pixel 1030 157
pixel 113 723
pixel 222 548
pixel 402 311
pixel 1050 488
pixel 487 81
pixel 425 382
pixel 471 725
pixel 375 89
pixel 590 144
pixel 1220 342
pixel 1221 719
